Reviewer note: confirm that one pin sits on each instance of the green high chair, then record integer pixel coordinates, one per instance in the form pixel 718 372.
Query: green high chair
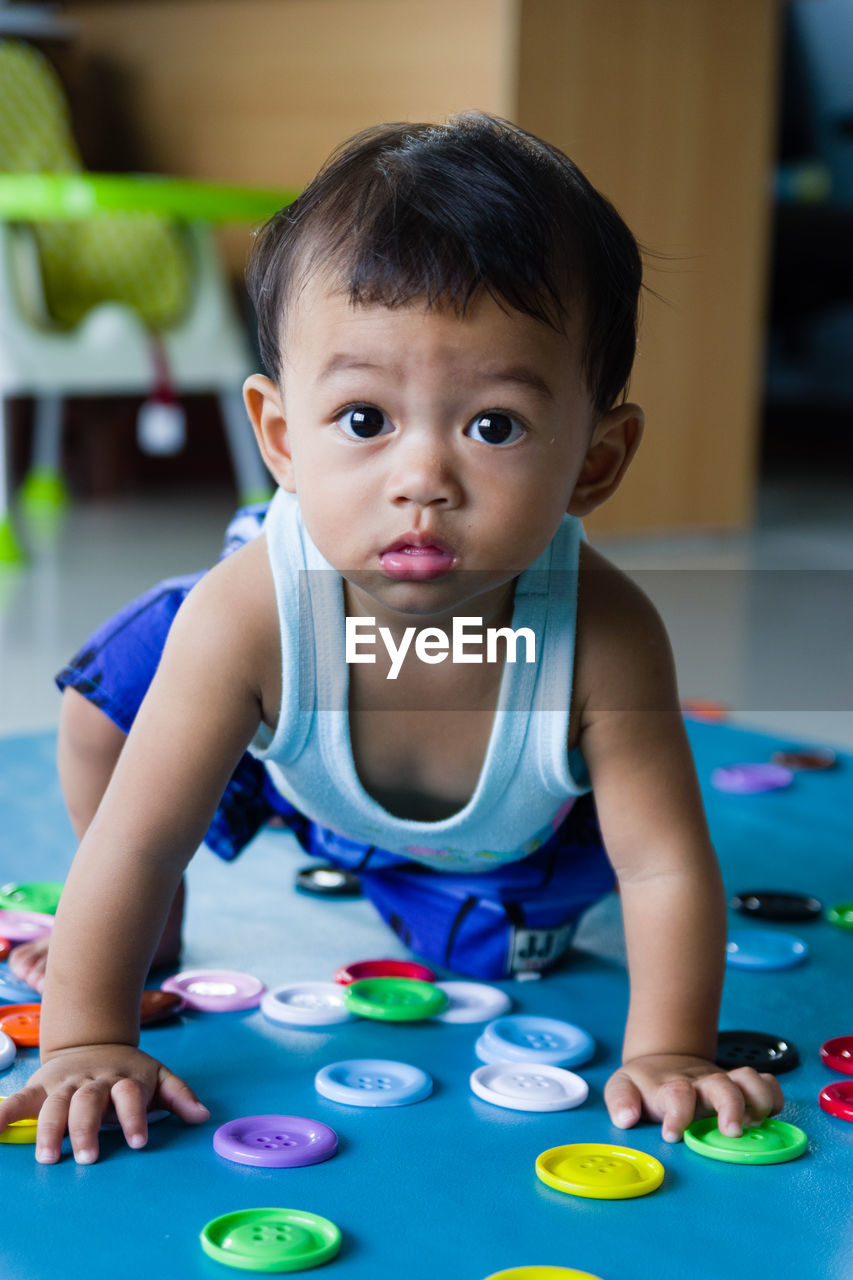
pixel 105 281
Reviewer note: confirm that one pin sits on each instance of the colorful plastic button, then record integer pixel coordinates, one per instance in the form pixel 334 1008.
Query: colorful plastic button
pixel 472 1002
pixel 14 992
pixel 837 1054
pixel 837 1099
pixel 373 1082
pixel 158 1006
pixel 522 1038
pixel 771 904
pixel 21 1023
pixel 756 1049
pixel 20 1131
pixel 757 949
pixel 599 1171
pixel 216 990
pixel 841 914
pixel 394 999
pixel 751 779
pixel 383 969
pixel 306 1004
pixel 271 1240
pixel 805 758
pixel 5 948
pixel 7 1051
pixel 771 1142
pixel 328 882
pixel 275 1142
pixel 529 1086
pixel 708 709
pixel 38 895
pixel 542 1273
pixel 24 926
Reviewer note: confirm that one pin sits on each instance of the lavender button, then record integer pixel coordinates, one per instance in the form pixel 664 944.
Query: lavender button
pixel 24 926
pixel 216 990
pixel 750 779
pixel 275 1142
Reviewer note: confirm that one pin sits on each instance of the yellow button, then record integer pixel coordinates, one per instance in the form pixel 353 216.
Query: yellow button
pixel 19 1130
pixel 599 1171
pixel 542 1273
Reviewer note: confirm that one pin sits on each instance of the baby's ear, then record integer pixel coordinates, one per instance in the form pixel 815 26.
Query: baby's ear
pixel 614 442
pixel 266 413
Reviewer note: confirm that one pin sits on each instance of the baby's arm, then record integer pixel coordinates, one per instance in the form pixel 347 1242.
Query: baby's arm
pixel 202 709
pixel 632 737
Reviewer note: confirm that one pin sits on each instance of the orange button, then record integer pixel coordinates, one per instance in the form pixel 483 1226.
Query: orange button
pixel 21 1024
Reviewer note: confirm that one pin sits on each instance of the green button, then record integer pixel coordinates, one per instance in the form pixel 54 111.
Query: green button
pixel 394 999
pixel 771 1142
pixel 271 1240
pixel 841 914
pixel 38 895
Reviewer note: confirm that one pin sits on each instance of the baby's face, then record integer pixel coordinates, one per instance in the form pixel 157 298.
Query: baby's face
pixel 433 455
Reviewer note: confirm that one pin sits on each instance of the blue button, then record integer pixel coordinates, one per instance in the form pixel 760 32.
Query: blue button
pixel 521 1038
pixel 757 949
pixel 373 1082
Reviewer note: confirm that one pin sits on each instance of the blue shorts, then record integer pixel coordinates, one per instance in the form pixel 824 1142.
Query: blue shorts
pixel 522 916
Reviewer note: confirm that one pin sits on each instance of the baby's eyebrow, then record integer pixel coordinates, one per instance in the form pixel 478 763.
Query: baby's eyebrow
pixel 517 375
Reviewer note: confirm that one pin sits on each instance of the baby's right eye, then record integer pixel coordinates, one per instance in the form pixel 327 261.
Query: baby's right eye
pixel 363 422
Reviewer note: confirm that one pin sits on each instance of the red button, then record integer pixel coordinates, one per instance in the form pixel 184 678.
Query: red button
pixel 5 948
pixel 838 1054
pixel 21 1024
pixel 837 1099
pixel 383 969
pixel 157 1006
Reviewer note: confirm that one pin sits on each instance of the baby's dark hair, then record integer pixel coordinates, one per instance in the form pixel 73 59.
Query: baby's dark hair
pixel 403 212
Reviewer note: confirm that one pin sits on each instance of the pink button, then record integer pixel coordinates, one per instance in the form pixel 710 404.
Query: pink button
pixel 216 990
pixel 24 926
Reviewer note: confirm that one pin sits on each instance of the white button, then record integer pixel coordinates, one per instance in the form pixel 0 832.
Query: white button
pixel 472 1002
pixel 306 1004
pixel 531 1086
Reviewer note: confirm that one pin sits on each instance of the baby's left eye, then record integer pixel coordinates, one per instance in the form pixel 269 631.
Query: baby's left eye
pixel 495 428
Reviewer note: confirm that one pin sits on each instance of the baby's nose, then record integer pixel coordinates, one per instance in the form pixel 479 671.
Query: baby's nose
pixel 424 476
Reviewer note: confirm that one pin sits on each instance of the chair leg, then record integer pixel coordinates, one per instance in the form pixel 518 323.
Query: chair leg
pixel 253 480
pixel 10 548
pixel 44 486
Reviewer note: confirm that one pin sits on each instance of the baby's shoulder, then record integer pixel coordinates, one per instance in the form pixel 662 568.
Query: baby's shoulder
pixel 623 655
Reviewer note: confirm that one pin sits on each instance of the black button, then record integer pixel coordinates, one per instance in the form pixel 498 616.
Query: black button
pixel 770 904
pixel 756 1049
pixel 328 882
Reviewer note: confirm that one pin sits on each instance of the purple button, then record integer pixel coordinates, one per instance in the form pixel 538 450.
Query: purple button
pixel 275 1142
pixel 216 990
pixel 750 779
pixel 24 926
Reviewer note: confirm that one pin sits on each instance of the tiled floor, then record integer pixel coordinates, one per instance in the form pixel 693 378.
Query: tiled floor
pixel 760 620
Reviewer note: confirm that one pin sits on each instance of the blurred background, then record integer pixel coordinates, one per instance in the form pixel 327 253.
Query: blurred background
pixel 723 132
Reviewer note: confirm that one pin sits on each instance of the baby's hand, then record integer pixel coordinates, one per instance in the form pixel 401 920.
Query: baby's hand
pixel 676 1089
pixel 76 1087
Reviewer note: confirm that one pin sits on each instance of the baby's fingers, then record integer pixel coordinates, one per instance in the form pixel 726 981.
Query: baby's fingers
pixel 23 1105
pixel 762 1092
pixel 176 1095
pixel 623 1100
pixel 85 1114
pixel 53 1119
pixel 720 1093
pixel 130 1104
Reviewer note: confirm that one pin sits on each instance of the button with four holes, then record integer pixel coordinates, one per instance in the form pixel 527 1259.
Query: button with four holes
pixel 275 1142
pixel 760 949
pixel 771 1142
pixel 756 1049
pixel 37 895
pixel 751 779
pixel 20 1131
pixel 271 1240
pixel 216 990
pixel 373 1082
pixel 306 1004
pixel 529 1086
pixel 841 914
pixel 394 999
pixel 522 1038
pixel 599 1171
pixel 21 1023
pixel 348 973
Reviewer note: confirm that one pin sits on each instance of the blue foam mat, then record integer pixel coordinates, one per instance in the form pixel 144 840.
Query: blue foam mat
pixel 447 1187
